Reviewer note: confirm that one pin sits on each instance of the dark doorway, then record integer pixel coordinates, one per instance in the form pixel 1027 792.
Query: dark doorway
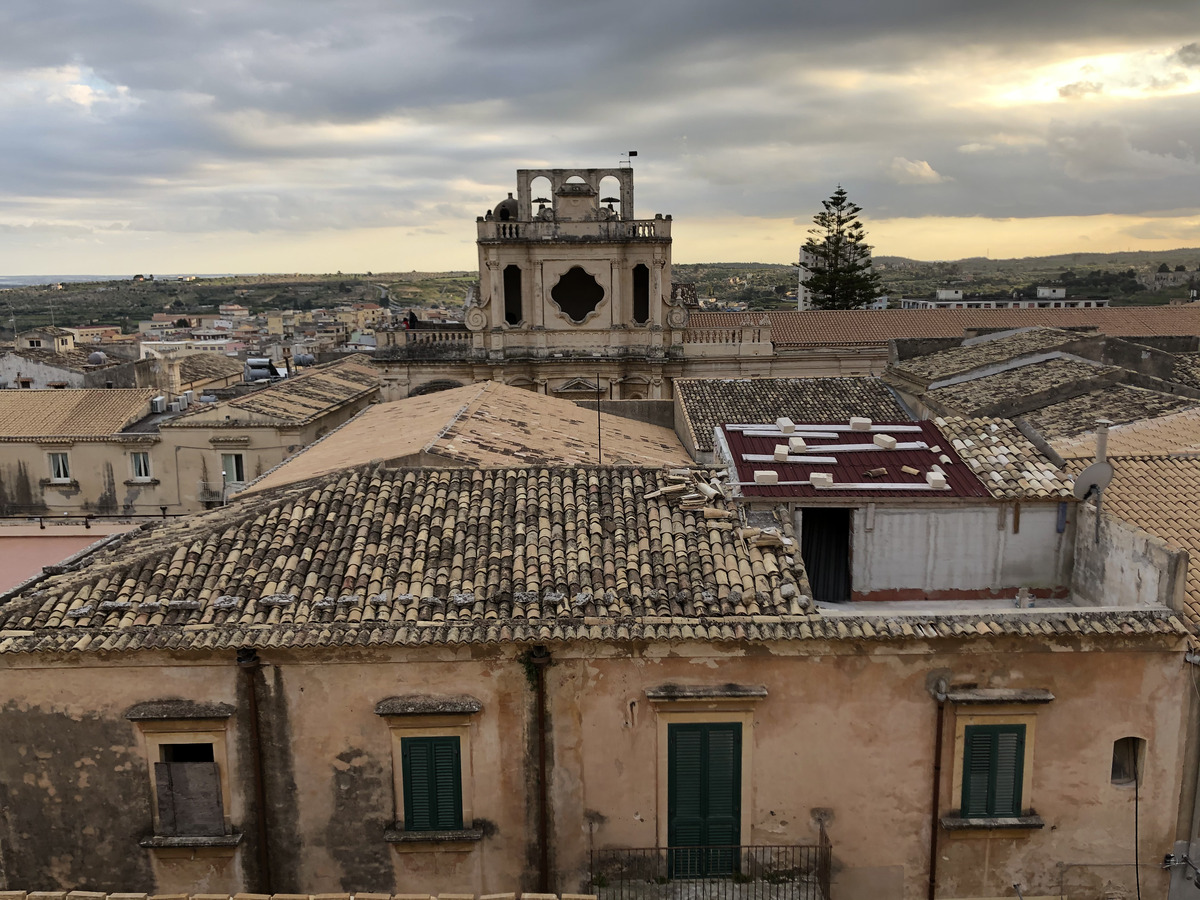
pixel 641 294
pixel 512 295
pixel 825 548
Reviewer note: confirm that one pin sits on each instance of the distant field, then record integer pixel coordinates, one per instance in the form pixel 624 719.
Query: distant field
pixel 124 302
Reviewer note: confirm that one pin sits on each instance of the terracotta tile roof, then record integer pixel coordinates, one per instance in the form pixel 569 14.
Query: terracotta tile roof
pixel 414 549
pixel 1118 403
pixel 73 360
pixel 205 366
pixel 485 424
pixel 710 402
pixel 1160 494
pixel 1187 369
pixel 1175 433
pixel 878 326
pixel 851 467
pixel 1006 461
pixel 379 557
pixel 294 401
pixel 975 396
pixel 83 413
pixel 982 351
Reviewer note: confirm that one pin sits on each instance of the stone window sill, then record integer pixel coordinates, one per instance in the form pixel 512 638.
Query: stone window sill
pixel 997 823
pixel 188 841
pixel 141 482
pixel 459 839
pixel 60 483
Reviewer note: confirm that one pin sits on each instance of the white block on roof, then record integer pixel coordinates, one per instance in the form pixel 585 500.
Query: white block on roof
pixel 784 424
pixel 858 423
pixel 781 452
pixel 797 445
pixel 765 476
pixel 935 480
pixel 821 479
pixel 885 442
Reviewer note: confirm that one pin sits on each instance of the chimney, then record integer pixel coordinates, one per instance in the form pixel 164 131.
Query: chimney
pixel 1102 439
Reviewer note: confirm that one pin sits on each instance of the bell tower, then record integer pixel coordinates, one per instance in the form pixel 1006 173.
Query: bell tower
pixel 563 268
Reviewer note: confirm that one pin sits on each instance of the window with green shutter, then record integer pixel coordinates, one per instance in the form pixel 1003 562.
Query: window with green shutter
pixel 993 770
pixel 704 781
pixel 432 784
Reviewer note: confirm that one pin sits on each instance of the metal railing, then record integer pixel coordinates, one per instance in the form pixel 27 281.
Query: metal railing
pixel 791 872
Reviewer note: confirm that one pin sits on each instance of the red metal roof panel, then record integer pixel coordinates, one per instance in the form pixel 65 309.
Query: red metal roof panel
pixel 851 467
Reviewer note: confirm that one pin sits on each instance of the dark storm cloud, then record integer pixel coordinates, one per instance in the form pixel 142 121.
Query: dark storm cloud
pixel 299 115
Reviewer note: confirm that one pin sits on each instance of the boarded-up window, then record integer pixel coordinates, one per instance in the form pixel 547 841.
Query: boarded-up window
pixel 432 784
pixel 188 784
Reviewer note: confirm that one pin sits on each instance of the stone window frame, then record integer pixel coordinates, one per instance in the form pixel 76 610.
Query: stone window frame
pixel 65 469
pixel 704 704
pixel 995 707
pixel 136 476
pixel 185 722
pixel 425 716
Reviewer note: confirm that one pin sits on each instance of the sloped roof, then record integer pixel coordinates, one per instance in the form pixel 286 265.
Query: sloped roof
pixel 1118 403
pixel 1160 494
pixel 878 326
pixel 974 396
pixel 484 424
pixel 73 360
pixel 417 548
pixel 851 467
pixel 1006 461
pixel 986 350
pixel 82 413
pixel 379 557
pixel 201 366
pixel 295 401
pixel 1175 433
pixel 1187 369
pixel 710 402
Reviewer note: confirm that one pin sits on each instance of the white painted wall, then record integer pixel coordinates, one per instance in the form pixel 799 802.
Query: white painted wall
pixel 968 548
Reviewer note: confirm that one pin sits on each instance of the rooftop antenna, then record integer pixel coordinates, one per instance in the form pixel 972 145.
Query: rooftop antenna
pixel 1096 477
pixel 626 159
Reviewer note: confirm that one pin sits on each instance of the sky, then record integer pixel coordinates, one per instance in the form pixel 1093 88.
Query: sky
pixel 366 135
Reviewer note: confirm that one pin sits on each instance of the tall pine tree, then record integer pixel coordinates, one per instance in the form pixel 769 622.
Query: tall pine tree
pixel 837 259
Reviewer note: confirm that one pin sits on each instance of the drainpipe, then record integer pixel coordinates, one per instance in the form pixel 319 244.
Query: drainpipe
pixel 248 662
pixel 539 656
pixel 939 694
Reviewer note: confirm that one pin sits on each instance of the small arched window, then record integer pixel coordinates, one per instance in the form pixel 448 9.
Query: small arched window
pixel 1128 754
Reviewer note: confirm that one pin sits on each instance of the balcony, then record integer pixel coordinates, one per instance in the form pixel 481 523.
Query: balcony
pixel 658 229
pixel 791 872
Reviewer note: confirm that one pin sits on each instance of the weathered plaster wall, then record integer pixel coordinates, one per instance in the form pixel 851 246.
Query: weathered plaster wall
pixel 1126 567
pixel 101 478
pixel 845 728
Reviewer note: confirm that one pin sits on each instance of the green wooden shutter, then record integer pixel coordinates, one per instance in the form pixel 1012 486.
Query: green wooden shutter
pixel 993 770
pixel 704 779
pixel 432 783
pixel 724 777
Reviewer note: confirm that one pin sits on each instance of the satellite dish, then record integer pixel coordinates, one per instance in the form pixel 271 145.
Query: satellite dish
pixel 1092 480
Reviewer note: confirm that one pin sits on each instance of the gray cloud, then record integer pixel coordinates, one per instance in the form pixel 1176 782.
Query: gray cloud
pixel 1080 89
pixel 302 115
pixel 1188 54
